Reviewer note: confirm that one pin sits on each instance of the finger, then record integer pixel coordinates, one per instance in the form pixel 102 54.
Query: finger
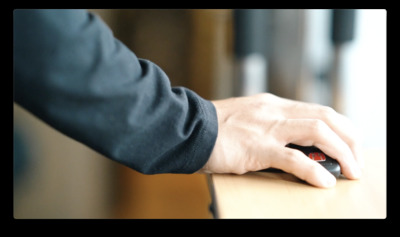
pixel 346 131
pixel 295 162
pixel 314 132
pixel 337 122
pixel 343 127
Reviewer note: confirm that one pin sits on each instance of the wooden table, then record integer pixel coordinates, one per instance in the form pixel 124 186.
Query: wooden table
pixel 281 195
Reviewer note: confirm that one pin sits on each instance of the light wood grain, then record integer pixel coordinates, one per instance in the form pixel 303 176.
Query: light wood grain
pixel 280 195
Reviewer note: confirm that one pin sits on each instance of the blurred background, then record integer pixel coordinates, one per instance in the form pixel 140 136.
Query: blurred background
pixel 335 58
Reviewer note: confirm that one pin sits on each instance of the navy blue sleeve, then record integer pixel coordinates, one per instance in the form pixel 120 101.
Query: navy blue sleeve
pixel 71 72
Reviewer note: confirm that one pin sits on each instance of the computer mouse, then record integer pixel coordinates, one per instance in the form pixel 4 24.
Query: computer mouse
pixel 317 155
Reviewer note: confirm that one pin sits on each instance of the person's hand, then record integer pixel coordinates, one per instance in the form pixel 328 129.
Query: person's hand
pixel 253 133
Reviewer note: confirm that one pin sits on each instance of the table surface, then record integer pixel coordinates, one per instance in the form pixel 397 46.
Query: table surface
pixel 281 195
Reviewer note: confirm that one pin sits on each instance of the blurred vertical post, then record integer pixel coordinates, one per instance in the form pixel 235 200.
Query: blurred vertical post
pixel 343 22
pixel 210 53
pixel 250 46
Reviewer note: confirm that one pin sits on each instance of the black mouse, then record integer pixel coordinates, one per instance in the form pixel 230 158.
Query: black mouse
pixel 315 154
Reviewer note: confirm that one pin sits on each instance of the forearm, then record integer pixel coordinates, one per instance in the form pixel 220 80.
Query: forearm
pixel 74 75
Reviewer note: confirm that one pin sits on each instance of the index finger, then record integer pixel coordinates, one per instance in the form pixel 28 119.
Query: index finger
pixel 340 124
pixel 314 132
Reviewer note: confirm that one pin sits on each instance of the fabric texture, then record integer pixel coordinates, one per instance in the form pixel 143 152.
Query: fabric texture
pixel 71 72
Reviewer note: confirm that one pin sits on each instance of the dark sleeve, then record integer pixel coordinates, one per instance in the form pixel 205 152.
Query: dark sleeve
pixel 72 73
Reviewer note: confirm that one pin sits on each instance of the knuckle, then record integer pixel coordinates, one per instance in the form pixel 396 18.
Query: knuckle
pixel 327 109
pixel 317 125
pixel 298 165
pixel 291 157
pixel 327 112
pixel 292 154
pixel 266 96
